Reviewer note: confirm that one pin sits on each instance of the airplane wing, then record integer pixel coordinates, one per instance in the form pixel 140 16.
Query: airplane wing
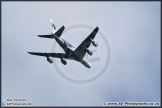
pixel 57 33
pixel 56 55
pixel 81 49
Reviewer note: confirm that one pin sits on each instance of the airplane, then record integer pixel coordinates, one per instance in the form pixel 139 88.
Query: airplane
pixel 72 53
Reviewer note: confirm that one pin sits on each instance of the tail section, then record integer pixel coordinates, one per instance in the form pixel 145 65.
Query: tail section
pixel 59 32
pixel 54 31
pixel 53 26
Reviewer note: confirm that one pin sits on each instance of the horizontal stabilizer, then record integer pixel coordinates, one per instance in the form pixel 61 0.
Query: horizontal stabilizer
pixel 59 32
pixel 46 36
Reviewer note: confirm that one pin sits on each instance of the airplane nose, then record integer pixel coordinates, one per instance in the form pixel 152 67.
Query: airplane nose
pixel 89 65
pixel 86 63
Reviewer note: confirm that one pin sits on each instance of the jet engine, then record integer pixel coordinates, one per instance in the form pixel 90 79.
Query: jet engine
pixel 89 51
pixel 95 43
pixel 64 62
pixel 49 60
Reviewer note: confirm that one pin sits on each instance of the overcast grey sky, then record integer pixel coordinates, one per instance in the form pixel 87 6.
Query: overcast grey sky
pixel 131 28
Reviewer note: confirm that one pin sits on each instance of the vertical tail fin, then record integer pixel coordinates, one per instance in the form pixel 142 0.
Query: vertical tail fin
pixel 53 26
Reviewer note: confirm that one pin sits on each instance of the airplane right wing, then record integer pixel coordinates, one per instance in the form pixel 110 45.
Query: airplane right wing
pixel 81 49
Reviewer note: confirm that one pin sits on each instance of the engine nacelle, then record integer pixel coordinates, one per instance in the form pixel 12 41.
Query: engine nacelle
pixel 95 43
pixel 64 62
pixel 49 60
pixel 89 52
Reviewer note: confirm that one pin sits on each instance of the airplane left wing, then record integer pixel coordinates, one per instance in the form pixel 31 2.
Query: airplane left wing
pixel 81 49
pixel 56 55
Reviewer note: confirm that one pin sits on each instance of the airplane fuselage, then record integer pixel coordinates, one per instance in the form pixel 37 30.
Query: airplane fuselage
pixel 70 51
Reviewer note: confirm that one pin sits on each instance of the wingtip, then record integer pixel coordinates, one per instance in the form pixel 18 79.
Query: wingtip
pixel 97 27
pixel 30 52
pixel 39 35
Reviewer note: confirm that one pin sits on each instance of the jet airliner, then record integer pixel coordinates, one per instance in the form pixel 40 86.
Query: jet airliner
pixel 72 53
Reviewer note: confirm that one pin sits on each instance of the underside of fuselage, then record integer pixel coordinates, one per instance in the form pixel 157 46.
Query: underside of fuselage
pixel 70 51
